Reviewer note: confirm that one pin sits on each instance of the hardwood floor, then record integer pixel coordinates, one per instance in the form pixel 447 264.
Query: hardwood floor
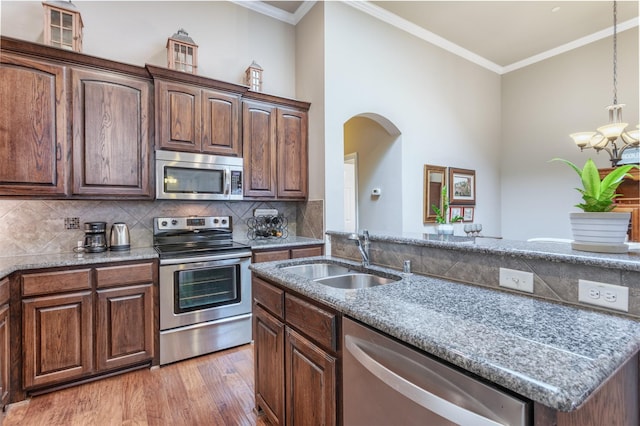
pixel 215 389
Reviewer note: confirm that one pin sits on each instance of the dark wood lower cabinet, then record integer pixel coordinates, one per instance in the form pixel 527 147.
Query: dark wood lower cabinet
pixel 285 253
pixel 268 335
pixel 295 369
pixel 310 382
pixel 118 344
pixel 57 338
pixel 5 343
pixel 82 323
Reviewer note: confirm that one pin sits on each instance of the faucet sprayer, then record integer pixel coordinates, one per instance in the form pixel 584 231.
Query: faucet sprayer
pixel 363 246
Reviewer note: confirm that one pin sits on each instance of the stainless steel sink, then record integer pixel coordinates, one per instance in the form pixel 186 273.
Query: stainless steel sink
pixel 338 276
pixel 355 281
pixel 317 270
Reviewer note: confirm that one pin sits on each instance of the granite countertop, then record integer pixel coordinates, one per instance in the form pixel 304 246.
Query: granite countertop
pixel 290 241
pixel 17 263
pixel 550 251
pixel 11 264
pixel 554 354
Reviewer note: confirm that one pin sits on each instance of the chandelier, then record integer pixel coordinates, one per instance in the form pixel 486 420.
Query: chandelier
pixel 613 137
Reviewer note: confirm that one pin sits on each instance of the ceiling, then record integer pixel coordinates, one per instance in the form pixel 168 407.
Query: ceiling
pixel 499 35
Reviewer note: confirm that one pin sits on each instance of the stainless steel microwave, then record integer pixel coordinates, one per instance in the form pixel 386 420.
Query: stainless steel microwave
pixel 188 176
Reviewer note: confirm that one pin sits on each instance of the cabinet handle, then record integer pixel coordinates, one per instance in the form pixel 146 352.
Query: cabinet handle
pixel 442 407
pixel 58 152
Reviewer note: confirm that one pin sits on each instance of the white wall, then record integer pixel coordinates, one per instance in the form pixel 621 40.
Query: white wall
pixel 541 105
pixel 447 109
pixel 229 36
pixel 379 166
pixel 310 86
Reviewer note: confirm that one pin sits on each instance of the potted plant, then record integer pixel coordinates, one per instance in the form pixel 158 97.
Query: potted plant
pixel 597 228
pixel 442 215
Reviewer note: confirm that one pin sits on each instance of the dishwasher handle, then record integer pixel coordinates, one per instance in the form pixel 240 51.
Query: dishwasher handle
pixel 420 396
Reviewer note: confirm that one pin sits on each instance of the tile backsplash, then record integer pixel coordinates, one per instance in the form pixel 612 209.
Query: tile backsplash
pixel 38 226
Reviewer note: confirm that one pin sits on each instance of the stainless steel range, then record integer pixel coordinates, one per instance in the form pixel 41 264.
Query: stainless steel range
pixel 205 286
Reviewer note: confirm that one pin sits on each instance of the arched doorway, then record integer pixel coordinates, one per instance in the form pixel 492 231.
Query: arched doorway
pixel 373 181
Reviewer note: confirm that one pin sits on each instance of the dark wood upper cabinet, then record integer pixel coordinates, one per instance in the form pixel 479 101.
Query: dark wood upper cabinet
pixel 178 117
pixel 196 114
pixel 259 149
pixel 52 99
pixel 112 121
pixel 220 123
pixel 275 147
pixel 293 166
pixel 78 126
pixel 33 132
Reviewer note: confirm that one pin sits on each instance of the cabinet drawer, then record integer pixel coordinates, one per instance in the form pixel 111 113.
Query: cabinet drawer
pixel 56 282
pixel 124 275
pixel 4 291
pixel 315 322
pixel 268 296
pixel 306 252
pixel 270 256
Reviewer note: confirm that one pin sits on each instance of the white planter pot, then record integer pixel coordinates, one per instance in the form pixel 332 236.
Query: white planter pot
pixel 445 228
pixel 600 232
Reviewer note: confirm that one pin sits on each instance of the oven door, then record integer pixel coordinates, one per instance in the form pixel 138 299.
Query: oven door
pixel 196 292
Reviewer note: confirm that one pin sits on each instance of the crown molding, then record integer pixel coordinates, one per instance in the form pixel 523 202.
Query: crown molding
pixel 413 29
pixel 274 12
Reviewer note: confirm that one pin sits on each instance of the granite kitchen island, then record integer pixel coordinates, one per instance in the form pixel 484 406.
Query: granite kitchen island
pixel 550 352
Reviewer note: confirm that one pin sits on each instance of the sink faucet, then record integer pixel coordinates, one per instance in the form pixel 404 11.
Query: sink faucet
pixel 363 245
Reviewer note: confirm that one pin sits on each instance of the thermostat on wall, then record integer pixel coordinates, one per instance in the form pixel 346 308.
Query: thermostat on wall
pixel 376 191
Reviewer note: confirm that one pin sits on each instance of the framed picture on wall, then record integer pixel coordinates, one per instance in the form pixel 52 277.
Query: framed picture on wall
pixel 453 212
pixel 462 186
pixel 467 215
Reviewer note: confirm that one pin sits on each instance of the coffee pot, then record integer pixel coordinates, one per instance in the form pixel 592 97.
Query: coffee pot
pixel 119 238
pixel 95 240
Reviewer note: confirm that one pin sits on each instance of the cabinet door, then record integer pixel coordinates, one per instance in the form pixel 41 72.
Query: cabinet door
pixel 268 335
pixel 33 127
pixel 4 355
pixel 57 338
pixel 292 154
pixel 124 329
pixel 221 123
pixel 310 383
pixel 259 149
pixel 178 109
pixel 111 134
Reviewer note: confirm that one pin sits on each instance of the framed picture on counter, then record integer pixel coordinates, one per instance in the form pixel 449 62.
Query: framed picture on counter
pixel 462 186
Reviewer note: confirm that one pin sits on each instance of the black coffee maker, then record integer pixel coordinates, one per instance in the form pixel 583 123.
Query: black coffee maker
pixel 95 239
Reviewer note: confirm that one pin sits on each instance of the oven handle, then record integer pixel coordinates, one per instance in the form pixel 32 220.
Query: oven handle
pixel 178 261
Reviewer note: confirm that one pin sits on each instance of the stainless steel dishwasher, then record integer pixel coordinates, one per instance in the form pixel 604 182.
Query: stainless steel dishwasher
pixel 387 383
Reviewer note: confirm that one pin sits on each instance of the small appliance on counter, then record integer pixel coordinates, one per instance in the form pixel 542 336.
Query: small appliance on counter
pixel 95 240
pixel 119 238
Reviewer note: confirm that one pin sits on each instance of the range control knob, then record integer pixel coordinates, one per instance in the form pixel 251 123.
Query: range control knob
pixel 224 221
pixel 163 223
pixel 216 221
pixel 174 222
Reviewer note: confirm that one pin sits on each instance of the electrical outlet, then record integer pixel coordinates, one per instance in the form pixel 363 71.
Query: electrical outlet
pixel 71 223
pixel 605 295
pixel 517 280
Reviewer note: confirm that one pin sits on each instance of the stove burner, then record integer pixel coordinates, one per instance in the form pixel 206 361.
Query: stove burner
pixel 194 236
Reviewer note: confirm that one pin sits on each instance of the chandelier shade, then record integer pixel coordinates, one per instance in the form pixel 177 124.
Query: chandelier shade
pixel 614 138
